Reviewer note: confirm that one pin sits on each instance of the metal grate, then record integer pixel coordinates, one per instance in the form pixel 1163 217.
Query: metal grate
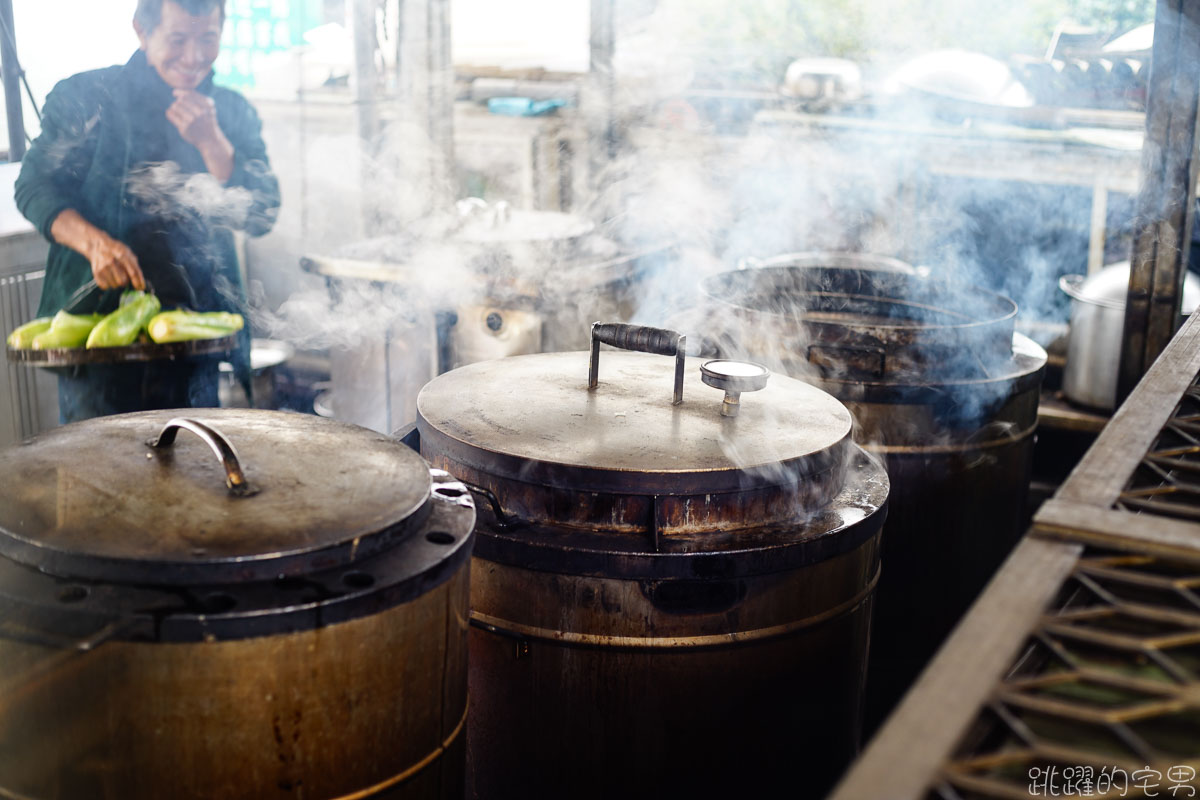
pixel 1104 700
pixel 1167 481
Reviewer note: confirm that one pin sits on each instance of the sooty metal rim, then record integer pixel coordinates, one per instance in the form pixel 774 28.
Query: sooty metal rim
pixel 53 609
pixel 855 515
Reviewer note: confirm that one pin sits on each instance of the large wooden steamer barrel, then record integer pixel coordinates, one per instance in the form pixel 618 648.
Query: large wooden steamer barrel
pixel 665 601
pixel 237 604
pixel 942 390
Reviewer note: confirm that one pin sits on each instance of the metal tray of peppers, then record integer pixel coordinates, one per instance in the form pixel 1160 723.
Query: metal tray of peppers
pixel 149 351
pixel 141 315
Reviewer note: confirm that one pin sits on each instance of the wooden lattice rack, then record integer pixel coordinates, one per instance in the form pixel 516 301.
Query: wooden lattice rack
pixel 1077 672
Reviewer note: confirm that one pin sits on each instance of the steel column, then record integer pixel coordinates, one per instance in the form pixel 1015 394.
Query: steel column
pixel 362 26
pixel 600 87
pixel 10 68
pixel 421 99
pixel 425 81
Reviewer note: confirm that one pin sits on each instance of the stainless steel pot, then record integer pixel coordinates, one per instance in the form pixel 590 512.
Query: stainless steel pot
pixel 960 79
pixel 1097 330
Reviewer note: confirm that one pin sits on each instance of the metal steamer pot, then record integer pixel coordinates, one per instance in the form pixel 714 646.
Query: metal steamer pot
pixel 672 586
pixel 1097 328
pixel 464 284
pixel 830 258
pixel 943 391
pixel 505 254
pixel 182 619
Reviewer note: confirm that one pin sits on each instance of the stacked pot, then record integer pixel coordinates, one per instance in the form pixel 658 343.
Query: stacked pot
pixel 942 390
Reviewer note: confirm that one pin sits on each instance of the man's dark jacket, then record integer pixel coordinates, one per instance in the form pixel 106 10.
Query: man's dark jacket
pixel 108 151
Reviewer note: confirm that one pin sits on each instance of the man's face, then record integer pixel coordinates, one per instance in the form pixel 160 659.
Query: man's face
pixel 182 48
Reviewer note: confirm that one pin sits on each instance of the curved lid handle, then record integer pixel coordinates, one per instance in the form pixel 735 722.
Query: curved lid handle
pixel 641 338
pixel 235 479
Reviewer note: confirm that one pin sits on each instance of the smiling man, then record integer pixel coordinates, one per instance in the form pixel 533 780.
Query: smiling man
pixel 138 178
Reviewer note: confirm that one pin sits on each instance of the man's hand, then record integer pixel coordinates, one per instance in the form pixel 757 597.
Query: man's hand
pixel 195 115
pixel 113 264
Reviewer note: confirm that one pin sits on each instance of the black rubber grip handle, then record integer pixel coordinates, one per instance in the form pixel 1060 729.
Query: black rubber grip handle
pixel 656 341
pixel 641 338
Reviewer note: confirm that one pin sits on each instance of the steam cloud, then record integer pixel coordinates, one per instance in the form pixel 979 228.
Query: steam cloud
pixel 163 190
pixel 726 192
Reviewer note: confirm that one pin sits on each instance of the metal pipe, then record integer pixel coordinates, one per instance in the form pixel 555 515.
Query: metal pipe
pixel 441 104
pixel 425 81
pixel 361 21
pixel 1163 218
pixel 10 68
pixel 600 86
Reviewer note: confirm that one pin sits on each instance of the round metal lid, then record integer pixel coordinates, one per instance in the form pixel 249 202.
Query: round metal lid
pixel 864 324
pixel 899 303
pixel 532 418
pixel 95 500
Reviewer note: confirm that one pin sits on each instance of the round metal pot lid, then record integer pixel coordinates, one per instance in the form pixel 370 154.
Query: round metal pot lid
pixel 831 258
pixel 95 500
pixel 523 226
pixel 533 419
pixel 902 304
pixel 427 239
pixel 864 324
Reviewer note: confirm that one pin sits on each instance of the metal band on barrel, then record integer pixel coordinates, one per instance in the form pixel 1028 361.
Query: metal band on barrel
pixel 362 794
pixel 959 447
pixel 518 631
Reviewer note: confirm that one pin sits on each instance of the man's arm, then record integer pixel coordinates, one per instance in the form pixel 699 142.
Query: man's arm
pixel 54 168
pixel 113 264
pixel 51 182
